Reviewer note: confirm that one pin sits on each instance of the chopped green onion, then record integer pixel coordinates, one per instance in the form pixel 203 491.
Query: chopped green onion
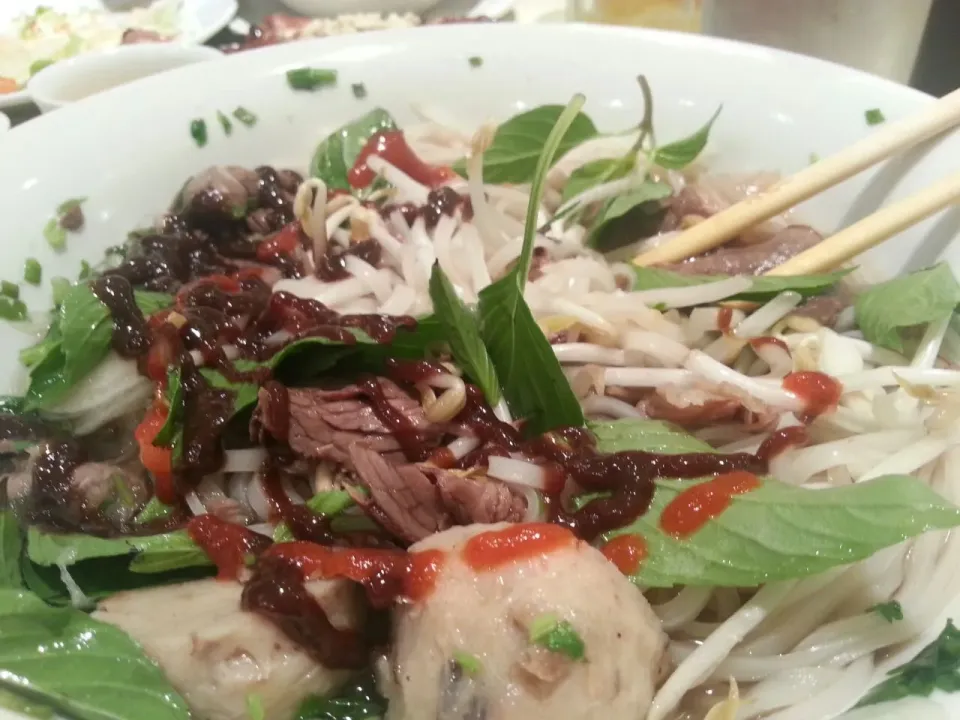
pixel 359 90
pixel 225 122
pixel 245 116
pixel 558 636
pixel 476 61
pixel 310 78
pixel 60 287
pixel 9 289
pixel 11 309
pixel 54 234
pixel 814 158
pixel 470 664
pixel 255 707
pixel 84 270
pixel 68 205
pixel 889 611
pixel 32 271
pixel 39 65
pixel 198 131
pixel 874 116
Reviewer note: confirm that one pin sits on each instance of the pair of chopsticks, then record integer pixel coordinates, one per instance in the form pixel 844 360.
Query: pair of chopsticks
pixel 853 240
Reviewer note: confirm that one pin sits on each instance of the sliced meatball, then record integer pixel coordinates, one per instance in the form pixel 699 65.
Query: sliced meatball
pixel 216 655
pixel 466 652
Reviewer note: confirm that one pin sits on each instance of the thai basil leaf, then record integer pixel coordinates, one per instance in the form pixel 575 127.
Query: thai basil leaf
pixel 765 287
pixel 679 154
pixel 595 173
pixel 359 701
pixel 165 436
pixel 85 330
pixel 937 667
pixel 889 611
pixel 22 706
pixel 335 156
pixel 79 666
pixel 644 196
pixel 153 553
pixel 793 532
pixel 519 143
pixel 11 546
pixel 463 335
pixel 919 298
pixel 530 375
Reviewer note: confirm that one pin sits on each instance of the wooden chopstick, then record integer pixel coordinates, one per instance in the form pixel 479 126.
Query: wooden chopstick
pixel 873 229
pixel 894 137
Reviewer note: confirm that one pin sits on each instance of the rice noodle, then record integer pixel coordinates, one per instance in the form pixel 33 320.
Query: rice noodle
pixel 517 472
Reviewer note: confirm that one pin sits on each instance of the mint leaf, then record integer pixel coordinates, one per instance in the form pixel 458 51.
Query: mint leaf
pixel 463 335
pixel 937 667
pixel 679 154
pixel 530 375
pixel 776 532
pixel 520 141
pixel 919 298
pixel 22 706
pixel 11 544
pixel 559 636
pixel 79 666
pixel 307 78
pixel 335 156
pixel 764 287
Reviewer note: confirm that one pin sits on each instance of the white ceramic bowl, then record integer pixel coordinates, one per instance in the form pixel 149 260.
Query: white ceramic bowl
pixel 71 80
pixel 4 123
pixel 332 8
pixel 129 150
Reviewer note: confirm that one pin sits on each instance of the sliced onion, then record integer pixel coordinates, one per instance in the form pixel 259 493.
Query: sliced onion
pixel 763 319
pixel 536 509
pixel 247 460
pixel 774 353
pixel 517 472
pixel 461 446
pixel 612 407
pixel 262 529
pixel 257 498
pixel 194 503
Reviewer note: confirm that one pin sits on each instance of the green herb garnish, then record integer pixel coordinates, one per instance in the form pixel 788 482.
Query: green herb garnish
pixel 679 154
pixel 306 78
pixel 470 664
pixel 9 289
pixel 39 65
pixel 874 117
pixel 224 122
pixel 59 286
pixel 476 61
pixel 54 234
pixel 255 707
pixel 882 311
pixel 937 667
pixel 245 116
pixel 763 288
pixel 359 90
pixel 334 157
pixel 558 636
pixel 32 271
pixel 889 611
pixel 85 270
pixel 198 131
pixel 12 309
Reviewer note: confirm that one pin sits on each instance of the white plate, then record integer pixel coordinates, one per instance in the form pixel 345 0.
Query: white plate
pixel 200 20
pixel 778 109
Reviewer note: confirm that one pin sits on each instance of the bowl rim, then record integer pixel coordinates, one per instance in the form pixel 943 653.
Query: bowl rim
pixel 295 52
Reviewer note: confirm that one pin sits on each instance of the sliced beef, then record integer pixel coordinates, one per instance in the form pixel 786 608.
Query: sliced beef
pixel 754 259
pixel 478 500
pixel 322 424
pixel 412 501
pixel 824 309
pixel 137 36
pixel 690 201
pixel 693 408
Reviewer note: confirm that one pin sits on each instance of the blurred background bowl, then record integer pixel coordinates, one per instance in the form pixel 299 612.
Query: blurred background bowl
pixel 331 8
pixel 71 80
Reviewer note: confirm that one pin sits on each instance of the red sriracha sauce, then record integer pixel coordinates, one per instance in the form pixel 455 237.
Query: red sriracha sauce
pixel 229 546
pixel 819 393
pixel 495 548
pixel 392 146
pixel 626 552
pixel 694 507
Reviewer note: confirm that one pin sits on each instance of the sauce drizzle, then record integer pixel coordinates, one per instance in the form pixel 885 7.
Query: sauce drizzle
pixel 627 552
pixel 819 392
pixel 694 507
pixel 494 548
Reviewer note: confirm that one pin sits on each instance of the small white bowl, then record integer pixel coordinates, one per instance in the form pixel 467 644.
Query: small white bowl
pixel 4 123
pixel 71 80
pixel 333 8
